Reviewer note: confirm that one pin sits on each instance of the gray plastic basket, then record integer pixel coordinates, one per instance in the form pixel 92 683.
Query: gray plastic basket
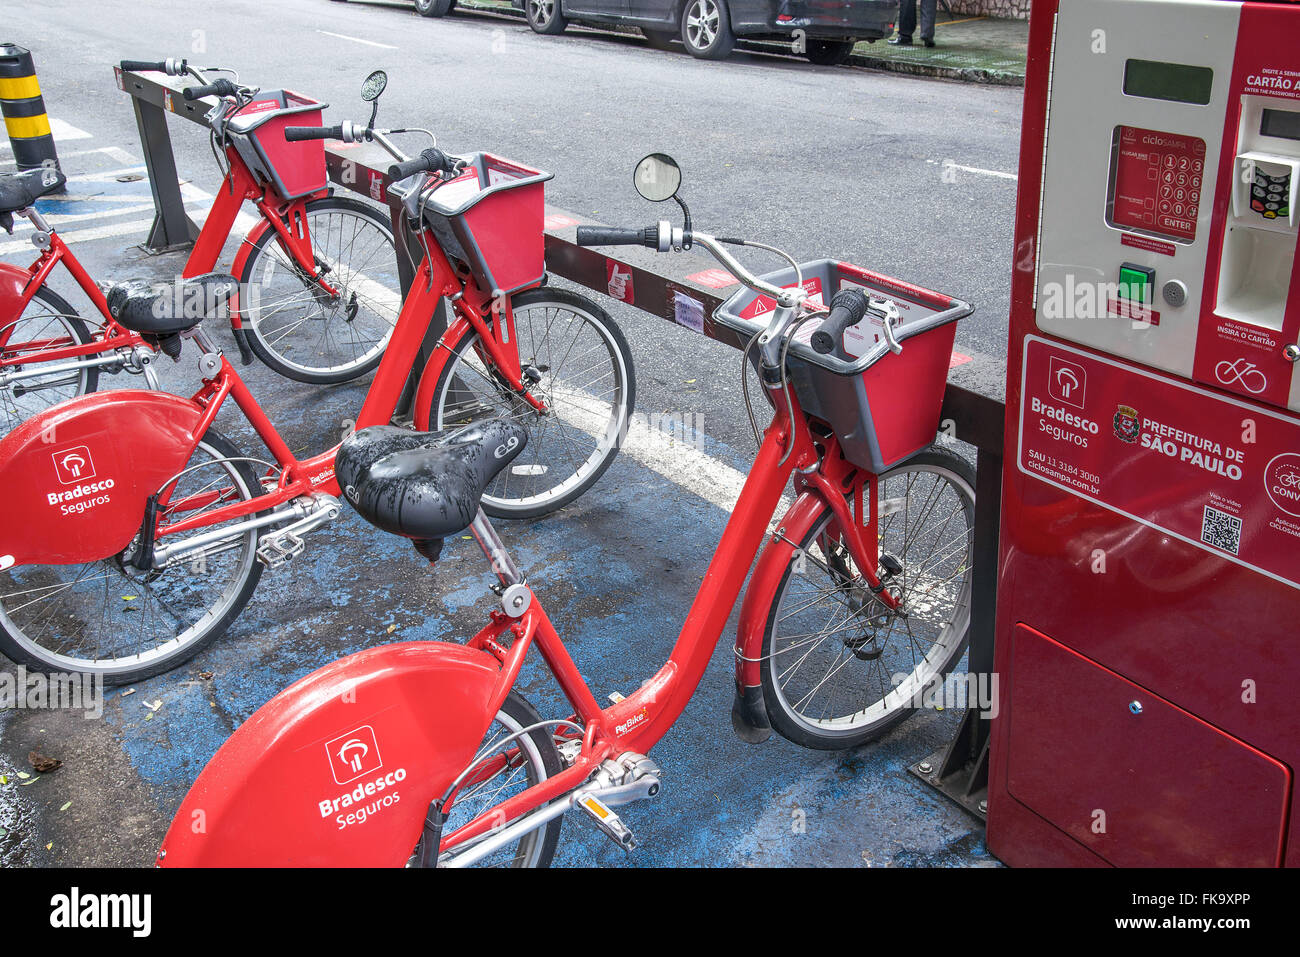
pixel 293 169
pixel 491 217
pixel 884 408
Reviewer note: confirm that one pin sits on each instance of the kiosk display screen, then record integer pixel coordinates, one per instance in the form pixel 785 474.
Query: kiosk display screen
pixel 1283 124
pixel 1176 82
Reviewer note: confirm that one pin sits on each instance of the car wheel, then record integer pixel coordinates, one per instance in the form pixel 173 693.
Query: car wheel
pixel 659 39
pixel 706 29
pixel 433 8
pixel 544 16
pixel 829 52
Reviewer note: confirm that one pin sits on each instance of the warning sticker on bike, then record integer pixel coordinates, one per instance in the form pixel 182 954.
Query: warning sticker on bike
pixel 762 305
pixel 1209 470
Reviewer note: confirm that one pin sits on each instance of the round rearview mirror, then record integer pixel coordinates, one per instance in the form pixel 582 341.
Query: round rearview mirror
pixel 374 85
pixel 657 177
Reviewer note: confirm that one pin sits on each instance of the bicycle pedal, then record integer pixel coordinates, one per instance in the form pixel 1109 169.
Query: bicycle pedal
pixel 609 823
pixel 280 549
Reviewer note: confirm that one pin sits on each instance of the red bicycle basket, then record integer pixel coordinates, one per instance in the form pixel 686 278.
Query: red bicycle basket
pixel 293 170
pixel 884 408
pixel 490 217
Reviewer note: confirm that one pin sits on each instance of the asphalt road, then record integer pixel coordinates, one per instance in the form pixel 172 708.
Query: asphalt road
pixel 823 162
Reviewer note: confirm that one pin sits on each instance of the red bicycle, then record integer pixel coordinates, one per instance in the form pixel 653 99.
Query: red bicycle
pixel 132 532
pixel 321 290
pixel 427 751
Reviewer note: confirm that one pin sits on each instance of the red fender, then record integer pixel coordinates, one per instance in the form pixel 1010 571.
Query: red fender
pixel 237 269
pixel 339 769
pixel 449 341
pixel 14 294
pixel 749 715
pixel 76 477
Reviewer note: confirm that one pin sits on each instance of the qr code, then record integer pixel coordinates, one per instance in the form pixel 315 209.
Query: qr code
pixel 1221 530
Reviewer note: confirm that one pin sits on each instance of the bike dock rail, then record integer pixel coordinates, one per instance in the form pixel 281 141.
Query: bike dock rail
pixel 687 297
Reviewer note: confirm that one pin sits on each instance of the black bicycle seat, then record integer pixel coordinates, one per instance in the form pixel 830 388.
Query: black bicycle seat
pixel 424 485
pixel 160 309
pixel 20 190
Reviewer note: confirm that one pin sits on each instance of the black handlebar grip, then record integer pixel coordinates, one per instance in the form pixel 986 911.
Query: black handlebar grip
pixel 429 161
pixel 612 236
pixel 296 133
pixel 144 66
pixel 219 88
pixel 848 308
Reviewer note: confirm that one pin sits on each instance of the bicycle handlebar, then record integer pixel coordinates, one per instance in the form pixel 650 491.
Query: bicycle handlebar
pixel 221 87
pixel 295 134
pixel 144 66
pixel 611 236
pixel 848 308
pixel 429 161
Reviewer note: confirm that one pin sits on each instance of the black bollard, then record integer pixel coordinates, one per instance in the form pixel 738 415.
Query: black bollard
pixel 24 110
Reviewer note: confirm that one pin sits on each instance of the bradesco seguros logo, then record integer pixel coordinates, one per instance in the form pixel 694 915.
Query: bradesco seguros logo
pixel 354 754
pixel 73 465
pixel 1282 481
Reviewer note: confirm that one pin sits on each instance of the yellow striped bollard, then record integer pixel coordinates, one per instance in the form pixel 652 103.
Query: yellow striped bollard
pixel 24 110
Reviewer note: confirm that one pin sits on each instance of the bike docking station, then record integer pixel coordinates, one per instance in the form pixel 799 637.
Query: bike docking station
pixel 1150 563
pixel 681 290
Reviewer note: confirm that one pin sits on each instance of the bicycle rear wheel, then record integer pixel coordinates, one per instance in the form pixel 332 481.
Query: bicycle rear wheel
pixel 506 771
pixel 48 322
pixel 106 617
pixel 580 366
pixel 295 327
pixel 838 669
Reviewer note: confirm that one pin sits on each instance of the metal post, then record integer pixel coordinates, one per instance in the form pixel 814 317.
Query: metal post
pixel 23 107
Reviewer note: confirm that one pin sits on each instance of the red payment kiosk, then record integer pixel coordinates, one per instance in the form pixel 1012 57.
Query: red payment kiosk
pixel 1148 628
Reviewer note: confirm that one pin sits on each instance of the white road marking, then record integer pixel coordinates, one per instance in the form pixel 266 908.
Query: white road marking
pixel 680 462
pixel 85 235
pixel 115 153
pixel 61 131
pixel 948 164
pixel 369 43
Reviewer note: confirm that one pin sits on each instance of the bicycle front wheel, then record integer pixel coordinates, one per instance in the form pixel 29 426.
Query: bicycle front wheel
pixel 576 360
pixel 838 668
pixel 107 617
pixel 47 323
pixel 305 333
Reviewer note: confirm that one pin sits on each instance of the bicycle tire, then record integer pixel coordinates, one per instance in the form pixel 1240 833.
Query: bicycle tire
pixel 460 356
pixel 12 411
pixel 839 732
pixel 301 368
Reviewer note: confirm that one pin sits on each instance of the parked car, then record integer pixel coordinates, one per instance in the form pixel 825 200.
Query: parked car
pixel 429 8
pixel 709 28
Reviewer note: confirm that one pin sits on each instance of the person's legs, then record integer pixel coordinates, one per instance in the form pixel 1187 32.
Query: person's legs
pixel 927 18
pixel 907 19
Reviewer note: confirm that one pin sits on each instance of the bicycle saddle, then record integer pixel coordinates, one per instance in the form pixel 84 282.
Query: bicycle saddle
pixel 161 310
pixel 424 485
pixel 20 190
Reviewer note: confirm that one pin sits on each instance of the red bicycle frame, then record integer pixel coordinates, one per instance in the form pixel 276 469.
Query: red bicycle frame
pixel 434 280
pixel 286 217
pixel 639 721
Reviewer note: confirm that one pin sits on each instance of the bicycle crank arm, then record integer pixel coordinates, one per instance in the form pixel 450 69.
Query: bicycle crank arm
pixel 283 544
pixel 54 368
pixel 306 513
pixel 630 777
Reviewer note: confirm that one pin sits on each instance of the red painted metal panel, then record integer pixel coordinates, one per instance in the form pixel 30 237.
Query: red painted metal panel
pixel 1139 789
